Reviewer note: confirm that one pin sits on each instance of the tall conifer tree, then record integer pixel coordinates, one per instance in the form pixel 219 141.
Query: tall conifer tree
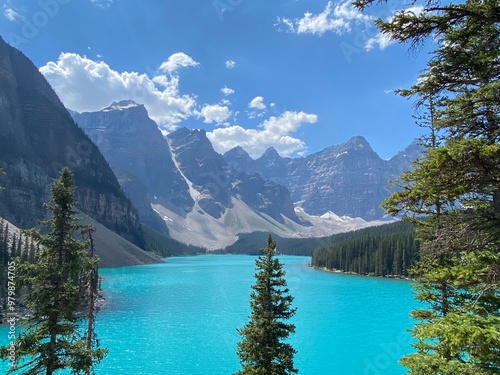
pixel 263 350
pixel 51 339
pixel 455 186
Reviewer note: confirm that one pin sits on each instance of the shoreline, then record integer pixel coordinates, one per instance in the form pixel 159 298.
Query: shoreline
pixel 337 271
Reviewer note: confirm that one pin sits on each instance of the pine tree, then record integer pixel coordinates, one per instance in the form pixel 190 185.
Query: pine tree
pixel 263 350
pixel 22 248
pixel 51 339
pixel 5 244
pixel 91 285
pixel 453 193
pixel 13 246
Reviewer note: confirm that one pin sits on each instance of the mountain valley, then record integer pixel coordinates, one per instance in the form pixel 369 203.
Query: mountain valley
pixel 133 178
pixel 206 199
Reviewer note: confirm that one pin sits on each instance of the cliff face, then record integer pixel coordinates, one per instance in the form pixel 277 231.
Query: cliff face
pixel 348 179
pixel 37 138
pixel 139 156
pixel 181 172
pixel 218 183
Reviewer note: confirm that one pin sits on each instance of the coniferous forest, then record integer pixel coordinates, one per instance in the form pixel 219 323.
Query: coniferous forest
pixel 387 250
pixel 12 246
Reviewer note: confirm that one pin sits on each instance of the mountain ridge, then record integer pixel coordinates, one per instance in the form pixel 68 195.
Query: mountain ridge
pixel 347 179
pixel 208 193
pixel 37 138
pixel 222 199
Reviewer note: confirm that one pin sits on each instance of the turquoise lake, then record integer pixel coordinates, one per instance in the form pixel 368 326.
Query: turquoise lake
pixel 181 318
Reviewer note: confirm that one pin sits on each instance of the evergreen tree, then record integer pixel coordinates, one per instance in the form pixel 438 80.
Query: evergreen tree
pixel 385 250
pixel 22 249
pixel 263 350
pixel 91 286
pixel 32 251
pixel 13 246
pixel 51 339
pixel 454 191
pixel 5 243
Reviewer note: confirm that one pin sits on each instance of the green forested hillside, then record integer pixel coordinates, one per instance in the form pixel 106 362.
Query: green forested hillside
pixel 384 250
pixel 165 246
pixel 388 249
pixel 250 243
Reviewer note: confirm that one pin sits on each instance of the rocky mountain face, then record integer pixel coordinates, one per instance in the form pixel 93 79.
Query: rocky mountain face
pixel 139 156
pixel 37 138
pixel 349 179
pixel 189 185
pixel 216 183
pixel 402 161
pixel 204 170
pixel 179 181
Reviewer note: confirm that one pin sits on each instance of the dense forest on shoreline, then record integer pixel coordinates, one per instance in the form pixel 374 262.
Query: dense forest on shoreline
pixel 389 249
pixel 386 250
pixel 250 244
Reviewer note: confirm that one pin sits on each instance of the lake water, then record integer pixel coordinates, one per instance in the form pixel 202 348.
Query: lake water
pixel 181 318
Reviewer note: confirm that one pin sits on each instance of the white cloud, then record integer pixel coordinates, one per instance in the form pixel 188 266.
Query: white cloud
pixel 338 19
pixel 10 13
pixel 274 131
pixel 176 61
pixel 230 64
pixel 257 103
pixel 382 41
pixel 87 85
pixel 215 113
pixel 227 91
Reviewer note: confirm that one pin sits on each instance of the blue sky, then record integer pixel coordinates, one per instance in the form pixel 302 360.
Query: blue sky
pixel 299 75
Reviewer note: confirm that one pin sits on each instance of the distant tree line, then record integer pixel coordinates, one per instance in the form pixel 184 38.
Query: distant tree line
pixel 248 243
pixel 384 250
pixel 12 246
pixel 166 246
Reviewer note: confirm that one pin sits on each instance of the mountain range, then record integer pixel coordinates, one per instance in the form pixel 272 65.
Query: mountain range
pixel 201 199
pixel 349 179
pixel 132 179
pixel 208 199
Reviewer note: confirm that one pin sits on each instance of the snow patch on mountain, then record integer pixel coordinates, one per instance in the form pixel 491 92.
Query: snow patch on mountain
pixel 195 194
pixel 121 106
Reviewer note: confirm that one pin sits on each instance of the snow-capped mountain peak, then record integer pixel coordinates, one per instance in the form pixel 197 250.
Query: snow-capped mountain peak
pixel 121 106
